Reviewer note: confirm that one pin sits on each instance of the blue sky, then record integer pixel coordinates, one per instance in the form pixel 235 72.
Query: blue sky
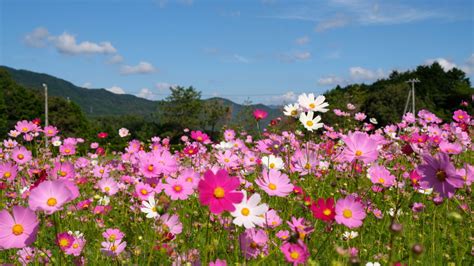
pixel 267 51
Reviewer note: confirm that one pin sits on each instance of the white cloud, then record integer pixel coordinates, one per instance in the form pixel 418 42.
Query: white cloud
pixel 446 64
pixel 66 43
pixel 164 86
pixel 37 38
pixel 468 67
pixel 142 68
pixel 116 90
pixel 302 40
pixel 331 80
pixel 362 74
pixel 87 85
pixel 288 97
pixel 241 59
pixel 302 55
pixel 332 23
pixel 115 59
pixel 146 93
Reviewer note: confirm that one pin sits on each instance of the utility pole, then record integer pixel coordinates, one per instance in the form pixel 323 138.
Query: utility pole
pixel 46 111
pixel 411 94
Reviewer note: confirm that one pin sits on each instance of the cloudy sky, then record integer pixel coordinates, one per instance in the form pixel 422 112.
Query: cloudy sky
pixel 264 50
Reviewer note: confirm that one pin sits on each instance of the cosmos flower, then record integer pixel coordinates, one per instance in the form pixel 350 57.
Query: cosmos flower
pixel 349 212
pixel 324 209
pixel 380 175
pixel 259 114
pixel 218 191
pixel 18 230
pixel 310 122
pixel 291 110
pixel 273 162
pixel 8 171
pixel 275 183
pixel 359 146
pixel 439 173
pixel 248 213
pixel 199 136
pixel 309 103
pixel 108 185
pixel 253 242
pixel 49 196
pixel 296 253
pixel 178 188
pixel 21 155
pixel 114 248
pixel 113 234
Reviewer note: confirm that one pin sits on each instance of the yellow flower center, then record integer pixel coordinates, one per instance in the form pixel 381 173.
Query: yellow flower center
pixel 101 171
pixel 219 192
pixel 358 153
pixel 64 242
pixel 20 156
pixel 327 212
pixel 226 160
pixel 112 238
pixel 309 123
pixel 347 213
pixel 294 112
pixel 62 173
pixel 307 166
pixel 17 229
pixel 460 116
pixel 381 180
pixel 113 248
pixel 67 150
pixel 294 255
pixel 272 186
pixel 51 202
pixel 150 167
pixel 272 165
pixel 144 191
pixel 245 211
pixel 24 129
pixel 50 131
pixel 177 188
pixel 312 105
pixel 199 138
pixel 107 189
pixel 189 179
pixel 7 174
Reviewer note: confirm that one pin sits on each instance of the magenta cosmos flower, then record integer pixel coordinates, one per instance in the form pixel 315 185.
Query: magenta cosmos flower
pixel 440 174
pixel 350 212
pixel 275 183
pixel 259 114
pixel 296 253
pixel 359 146
pixel 218 191
pixel 19 230
pixel 50 196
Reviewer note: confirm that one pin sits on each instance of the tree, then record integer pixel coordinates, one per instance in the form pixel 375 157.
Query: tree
pixel 214 113
pixel 181 109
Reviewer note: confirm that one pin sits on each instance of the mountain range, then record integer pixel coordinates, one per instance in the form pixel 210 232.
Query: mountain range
pixel 101 102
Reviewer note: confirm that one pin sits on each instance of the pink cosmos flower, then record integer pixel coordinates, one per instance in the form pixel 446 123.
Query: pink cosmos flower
pixel 64 240
pixel 218 191
pixel 21 155
pixel 19 230
pixel 228 159
pixel 359 146
pixel 78 244
pixel 67 149
pixel 275 183
pixel 461 116
pixel 63 170
pixel 259 114
pixel 8 171
pixel 283 234
pixel 253 242
pixel 143 191
pixel 450 148
pixel 350 212
pixel 360 116
pixel 199 136
pixel 467 174
pixel 380 175
pixel 108 185
pixel 25 126
pixel 178 188
pixel 190 176
pixel 50 131
pixel 49 196
pixel 218 262
pixel 113 234
pixel 272 219
pixel 296 253
pixel 172 223
pixel 113 249
pixel 438 172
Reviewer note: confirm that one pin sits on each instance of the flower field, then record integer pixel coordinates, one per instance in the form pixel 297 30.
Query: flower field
pixel 316 195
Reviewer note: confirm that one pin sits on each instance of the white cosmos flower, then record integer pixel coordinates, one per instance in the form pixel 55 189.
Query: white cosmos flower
pixel 372 264
pixel 104 201
pixel 309 122
pixel 272 162
pixel 248 213
pixel 373 121
pixel 224 145
pixel 149 207
pixel 348 235
pixel 291 110
pixel 310 103
pixel 57 143
pixel 123 132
